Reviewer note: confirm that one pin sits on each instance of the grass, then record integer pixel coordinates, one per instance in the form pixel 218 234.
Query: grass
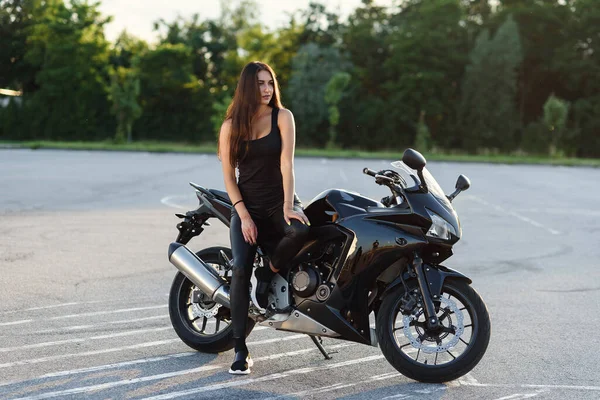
pixel 210 148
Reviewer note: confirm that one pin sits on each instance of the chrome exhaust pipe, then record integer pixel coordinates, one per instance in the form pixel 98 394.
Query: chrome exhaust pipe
pixel 202 275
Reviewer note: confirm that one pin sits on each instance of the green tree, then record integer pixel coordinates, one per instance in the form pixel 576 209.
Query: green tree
pixel 333 93
pixel 17 18
pixel 10 120
pixel 555 120
pixel 320 26
pixel 176 105
pixel 226 33
pixel 276 48
pixel 68 47
pixel 125 49
pixel 219 111
pixel 543 27
pixel 423 138
pixel 312 68
pixel 587 126
pixel 577 64
pixel 478 16
pixel 124 93
pixel 364 106
pixel 427 44
pixel 488 111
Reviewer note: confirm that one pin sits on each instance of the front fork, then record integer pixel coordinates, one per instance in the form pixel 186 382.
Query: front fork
pixel 428 294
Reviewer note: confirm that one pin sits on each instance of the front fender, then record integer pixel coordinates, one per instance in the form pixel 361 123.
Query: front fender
pixel 435 275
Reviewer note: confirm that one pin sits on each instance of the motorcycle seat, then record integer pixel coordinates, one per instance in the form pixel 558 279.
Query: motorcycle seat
pixel 221 195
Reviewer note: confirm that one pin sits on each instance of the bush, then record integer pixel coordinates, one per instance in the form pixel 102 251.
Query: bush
pixel 535 139
pixel 555 120
pixel 423 140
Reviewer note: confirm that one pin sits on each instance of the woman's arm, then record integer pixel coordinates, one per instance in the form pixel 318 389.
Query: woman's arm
pixel 248 228
pixel 288 144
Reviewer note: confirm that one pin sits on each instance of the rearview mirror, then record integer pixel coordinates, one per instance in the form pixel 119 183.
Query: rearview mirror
pixel 414 159
pixel 462 183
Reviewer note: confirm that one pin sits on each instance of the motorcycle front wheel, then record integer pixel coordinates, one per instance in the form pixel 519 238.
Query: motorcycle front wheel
pixel 199 322
pixel 440 355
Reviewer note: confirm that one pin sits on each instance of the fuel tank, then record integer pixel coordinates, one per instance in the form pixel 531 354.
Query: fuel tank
pixel 333 204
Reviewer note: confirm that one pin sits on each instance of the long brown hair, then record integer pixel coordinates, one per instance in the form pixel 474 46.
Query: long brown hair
pixel 244 107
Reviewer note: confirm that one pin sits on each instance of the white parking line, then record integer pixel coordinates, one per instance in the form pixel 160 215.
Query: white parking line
pixel 124 321
pixel 40 308
pixel 102 367
pixel 396 396
pixel 81 327
pixel 110 385
pixel 162 358
pixel 48 307
pixel 562 211
pixel 88 314
pixel 88 353
pixel 24 321
pixel 342 364
pixel 279 339
pixel 520 396
pixel 336 386
pixel 75 304
pixel 271 377
pixel 343 175
pixel 122 310
pixel 514 214
pixel 468 379
pixel 133 347
pixel 82 340
pixel 168 201
pixel 529 386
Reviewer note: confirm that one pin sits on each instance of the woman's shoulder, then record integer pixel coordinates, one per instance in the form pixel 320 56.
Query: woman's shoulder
pixel 226 124
pixel 225 130
pixel 285 114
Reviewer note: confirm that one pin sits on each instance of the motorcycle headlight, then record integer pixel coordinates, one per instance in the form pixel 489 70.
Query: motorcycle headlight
pixel 440 228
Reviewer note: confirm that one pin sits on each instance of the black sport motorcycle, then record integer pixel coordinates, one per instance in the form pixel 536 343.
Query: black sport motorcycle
pixel 362 257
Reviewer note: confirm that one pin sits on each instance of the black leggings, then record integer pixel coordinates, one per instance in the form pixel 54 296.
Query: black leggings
pixel 278 239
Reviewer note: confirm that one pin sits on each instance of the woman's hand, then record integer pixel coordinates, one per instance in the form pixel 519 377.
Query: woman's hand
pixel 294 213
pixel 249 229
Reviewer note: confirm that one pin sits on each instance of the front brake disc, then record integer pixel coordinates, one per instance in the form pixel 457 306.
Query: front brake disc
pixel 438 348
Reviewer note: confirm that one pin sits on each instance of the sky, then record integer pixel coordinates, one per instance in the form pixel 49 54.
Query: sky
pixel 137 16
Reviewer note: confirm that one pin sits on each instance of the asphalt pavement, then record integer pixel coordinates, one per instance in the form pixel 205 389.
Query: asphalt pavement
pixel 84 279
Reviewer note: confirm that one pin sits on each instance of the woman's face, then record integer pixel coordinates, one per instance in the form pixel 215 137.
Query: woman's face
pixel 266 86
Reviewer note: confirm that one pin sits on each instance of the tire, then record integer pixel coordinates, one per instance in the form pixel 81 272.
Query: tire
pixel 179 313
pixel 473 351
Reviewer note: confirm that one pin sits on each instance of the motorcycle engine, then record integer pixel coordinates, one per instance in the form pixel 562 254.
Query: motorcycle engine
pixel 314 277
pixel 305 280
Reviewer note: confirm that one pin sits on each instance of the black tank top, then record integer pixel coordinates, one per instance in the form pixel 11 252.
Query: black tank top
pixel 260 181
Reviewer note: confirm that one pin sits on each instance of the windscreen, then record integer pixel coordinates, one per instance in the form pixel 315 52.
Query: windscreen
pixel 413 181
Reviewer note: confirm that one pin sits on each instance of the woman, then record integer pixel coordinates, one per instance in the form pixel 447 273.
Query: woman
pixel 258 138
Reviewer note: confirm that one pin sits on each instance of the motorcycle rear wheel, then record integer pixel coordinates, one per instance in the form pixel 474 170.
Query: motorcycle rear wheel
pixel 437 361
pixel 206 334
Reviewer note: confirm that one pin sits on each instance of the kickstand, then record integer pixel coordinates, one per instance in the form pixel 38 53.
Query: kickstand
pixel 319 344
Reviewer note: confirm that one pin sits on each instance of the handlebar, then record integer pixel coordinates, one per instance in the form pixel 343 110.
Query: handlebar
pixel 368 171
pixel 379 178
pixel 391 183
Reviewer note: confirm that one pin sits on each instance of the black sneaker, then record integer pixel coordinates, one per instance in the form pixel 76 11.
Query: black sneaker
pixel 241 363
